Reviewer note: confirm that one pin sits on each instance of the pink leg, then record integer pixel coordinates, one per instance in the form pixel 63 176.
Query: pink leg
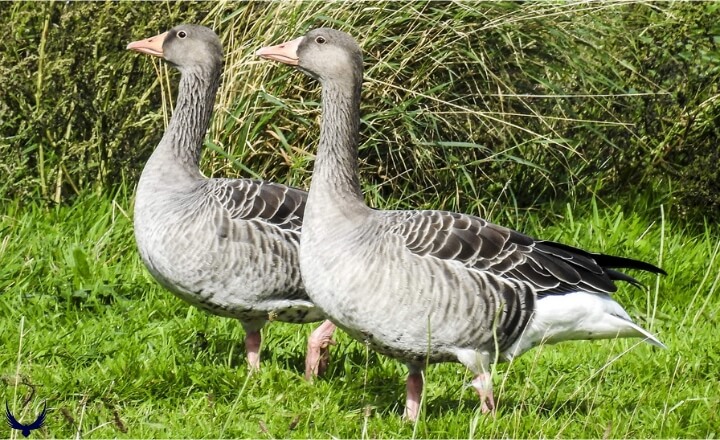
pixel 483 385
pixel 252 348
pixel 318 353
pixel 414 388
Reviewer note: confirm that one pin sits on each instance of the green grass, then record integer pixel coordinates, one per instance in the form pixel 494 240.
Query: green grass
pixel 115 355
pixel 540 116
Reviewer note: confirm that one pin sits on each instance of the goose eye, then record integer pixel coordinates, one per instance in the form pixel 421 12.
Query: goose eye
pixel 320 40
pixel 182 34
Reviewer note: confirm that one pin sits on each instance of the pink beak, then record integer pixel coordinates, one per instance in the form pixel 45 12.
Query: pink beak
pixel 284 53
pixel 151 46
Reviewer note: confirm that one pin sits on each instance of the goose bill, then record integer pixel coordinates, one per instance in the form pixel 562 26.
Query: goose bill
pixel 284 53
pixel 151 46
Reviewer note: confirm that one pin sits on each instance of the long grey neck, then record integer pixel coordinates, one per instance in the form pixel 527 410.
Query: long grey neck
pixel 183 138
pixel 336 170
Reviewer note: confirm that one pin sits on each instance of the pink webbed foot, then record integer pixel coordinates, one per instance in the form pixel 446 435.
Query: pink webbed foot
pixel 318 351
pixel 483 385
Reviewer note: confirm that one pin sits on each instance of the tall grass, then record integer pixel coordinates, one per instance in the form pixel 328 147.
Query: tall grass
pixel 465 102
pixel 452 91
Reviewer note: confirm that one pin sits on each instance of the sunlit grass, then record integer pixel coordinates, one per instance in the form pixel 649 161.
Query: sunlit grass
pixel 117 356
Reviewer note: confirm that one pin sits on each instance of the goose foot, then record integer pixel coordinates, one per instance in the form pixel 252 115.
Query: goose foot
pixel 413 387
pixel 483 385
pixel 318 351
pixel 252 348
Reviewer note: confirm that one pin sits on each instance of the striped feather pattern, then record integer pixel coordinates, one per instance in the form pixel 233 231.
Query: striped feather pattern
pixel 227 246
pixel 434 285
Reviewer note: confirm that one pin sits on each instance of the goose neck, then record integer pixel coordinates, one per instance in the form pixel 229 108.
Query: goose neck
pixel 185 133
pixel 336 168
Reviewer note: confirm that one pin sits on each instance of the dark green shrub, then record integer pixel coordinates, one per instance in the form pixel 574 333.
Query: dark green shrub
pixel 466 104
pixel 74 101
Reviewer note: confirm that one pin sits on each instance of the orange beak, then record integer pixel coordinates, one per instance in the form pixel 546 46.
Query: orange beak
pixel 151 46
pixel 284 53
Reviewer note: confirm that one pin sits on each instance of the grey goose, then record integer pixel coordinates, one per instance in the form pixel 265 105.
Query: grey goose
pixel 226 246
pixel 434 286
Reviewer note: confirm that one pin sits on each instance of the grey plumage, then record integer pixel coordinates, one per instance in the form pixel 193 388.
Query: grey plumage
pixel 227 246
pixel 434 286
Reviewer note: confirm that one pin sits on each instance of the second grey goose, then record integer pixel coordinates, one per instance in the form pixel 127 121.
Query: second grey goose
pixel 227 246
pixel 434 286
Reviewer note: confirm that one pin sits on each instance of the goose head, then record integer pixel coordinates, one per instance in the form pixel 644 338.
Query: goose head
pixel 186 47
pixel 328 55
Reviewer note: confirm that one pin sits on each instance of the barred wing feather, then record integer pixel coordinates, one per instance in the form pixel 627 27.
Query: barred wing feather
pixel 551 268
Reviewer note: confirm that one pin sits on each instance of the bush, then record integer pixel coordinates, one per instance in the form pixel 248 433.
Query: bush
pixel 465 104
pixel 77 105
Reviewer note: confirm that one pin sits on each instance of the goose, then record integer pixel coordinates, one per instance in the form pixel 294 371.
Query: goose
pixel 430 286
pixel 226 246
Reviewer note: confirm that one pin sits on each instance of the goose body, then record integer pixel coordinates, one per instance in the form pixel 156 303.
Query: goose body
pixel 456 282
pixel 434 286
pixel 244 268
pixel 227 246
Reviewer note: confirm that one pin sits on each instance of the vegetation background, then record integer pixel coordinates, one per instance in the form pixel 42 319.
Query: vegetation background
pixel 594 123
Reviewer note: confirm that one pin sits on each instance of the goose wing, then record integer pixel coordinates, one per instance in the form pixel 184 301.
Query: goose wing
pixel 551 268
pixel 267 202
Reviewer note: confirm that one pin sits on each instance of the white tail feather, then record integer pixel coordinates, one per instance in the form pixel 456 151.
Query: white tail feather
pixel 578 316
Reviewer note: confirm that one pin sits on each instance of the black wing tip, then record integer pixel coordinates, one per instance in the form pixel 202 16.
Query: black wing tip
pixel 616 275
pixel 613 262
pixel 608 261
